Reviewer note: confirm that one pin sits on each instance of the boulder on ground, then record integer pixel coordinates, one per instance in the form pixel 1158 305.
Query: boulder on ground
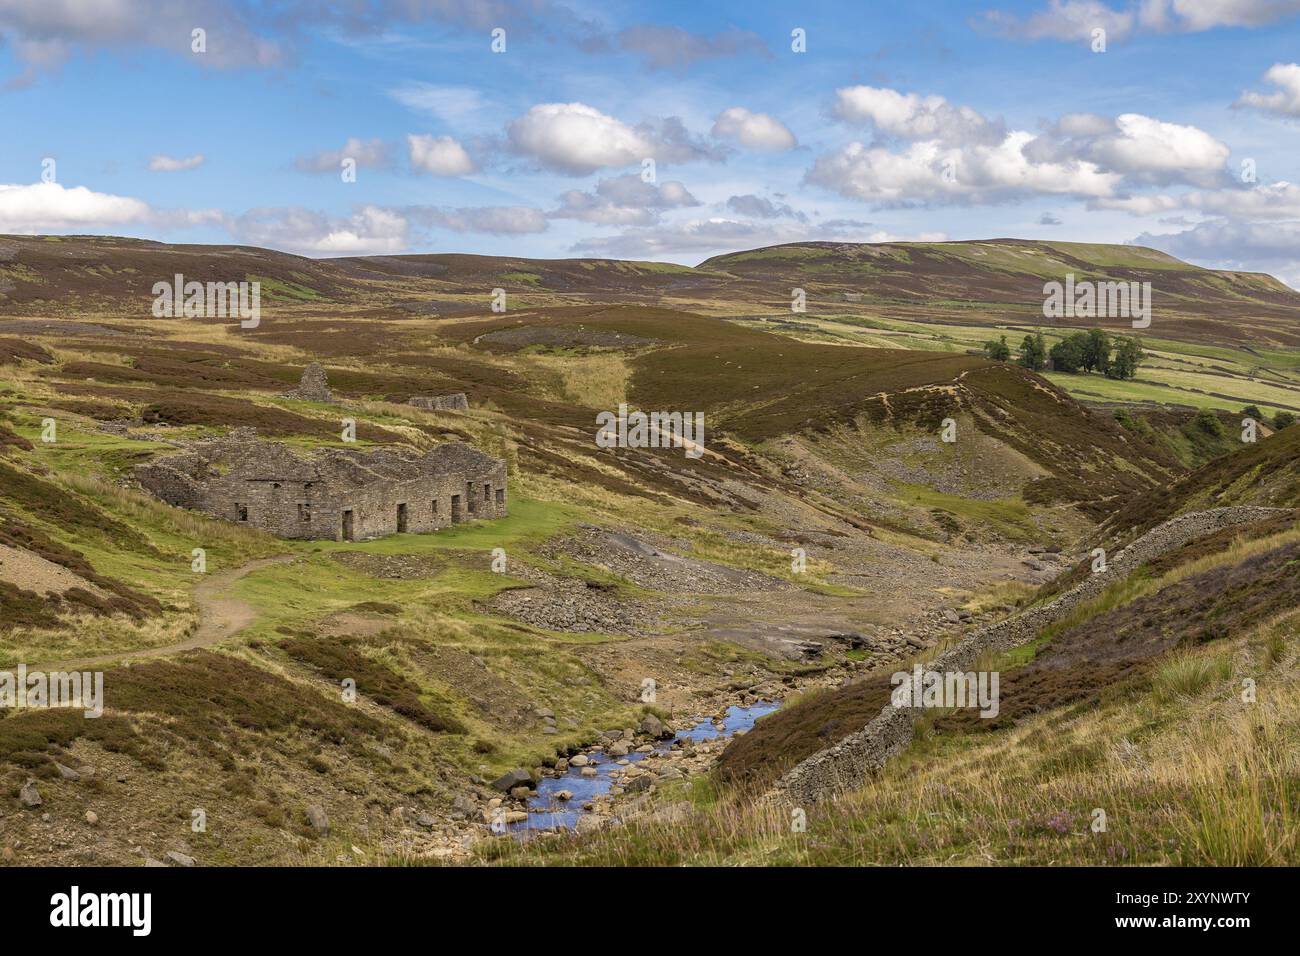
pixel 518 777
pixel 652 726
pixel 318 820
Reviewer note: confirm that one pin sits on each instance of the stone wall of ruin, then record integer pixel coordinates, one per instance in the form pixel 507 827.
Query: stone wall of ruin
pixel 315 510
pixel 431 503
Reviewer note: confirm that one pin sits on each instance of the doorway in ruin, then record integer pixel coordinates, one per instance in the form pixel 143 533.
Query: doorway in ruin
pixel 347 526
pixel 401 518
pixel 455 509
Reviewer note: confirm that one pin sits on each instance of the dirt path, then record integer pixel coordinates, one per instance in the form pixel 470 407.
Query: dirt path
pixel 220 616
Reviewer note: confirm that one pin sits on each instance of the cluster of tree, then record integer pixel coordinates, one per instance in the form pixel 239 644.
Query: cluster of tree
pixel 1280 420
pixel 1091 351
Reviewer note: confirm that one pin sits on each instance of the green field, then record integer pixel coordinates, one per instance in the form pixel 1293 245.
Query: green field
pixel 1174 373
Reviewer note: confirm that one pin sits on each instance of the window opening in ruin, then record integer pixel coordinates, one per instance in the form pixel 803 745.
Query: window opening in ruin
pixel 241 512
pixel 501 496
pixel 304 512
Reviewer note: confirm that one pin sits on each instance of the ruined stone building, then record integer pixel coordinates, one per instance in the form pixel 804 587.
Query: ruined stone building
pixel 455 402
pixel 330 494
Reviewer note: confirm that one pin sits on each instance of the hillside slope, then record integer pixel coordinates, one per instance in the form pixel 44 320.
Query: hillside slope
pixel 1003 279
pixel 969 282
pixel 1264 473
pixel 1156 725
pixel 1080 662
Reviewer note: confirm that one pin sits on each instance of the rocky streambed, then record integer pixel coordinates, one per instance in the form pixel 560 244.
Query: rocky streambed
pixel 596 787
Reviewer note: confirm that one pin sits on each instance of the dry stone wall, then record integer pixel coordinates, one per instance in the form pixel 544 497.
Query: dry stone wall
pixel 849 763
pixel 456 402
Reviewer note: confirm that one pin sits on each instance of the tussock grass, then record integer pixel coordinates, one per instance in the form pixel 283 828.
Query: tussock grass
pixel 596 380
pixel 78 635
pixel 1187 674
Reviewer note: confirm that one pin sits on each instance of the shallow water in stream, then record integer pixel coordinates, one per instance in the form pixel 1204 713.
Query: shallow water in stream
pixel 548 813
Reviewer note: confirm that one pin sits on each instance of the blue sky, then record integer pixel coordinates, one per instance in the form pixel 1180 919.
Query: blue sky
pixel 900 121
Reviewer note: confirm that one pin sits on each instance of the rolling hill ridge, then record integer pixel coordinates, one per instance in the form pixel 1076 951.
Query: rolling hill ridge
pixel 973 282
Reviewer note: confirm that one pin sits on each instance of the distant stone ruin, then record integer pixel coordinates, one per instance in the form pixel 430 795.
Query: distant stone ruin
pixel 456 402
pixel 314 387
pixel 330 494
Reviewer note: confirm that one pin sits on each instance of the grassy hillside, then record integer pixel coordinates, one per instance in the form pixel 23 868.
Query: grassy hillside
pixel 1178 373
pixel 1184 738
pixel 1081 661
pixel 962 283
pixel 1264 473
pixel 1002 280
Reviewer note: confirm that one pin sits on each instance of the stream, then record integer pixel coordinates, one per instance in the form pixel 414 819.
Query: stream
pixel 548 813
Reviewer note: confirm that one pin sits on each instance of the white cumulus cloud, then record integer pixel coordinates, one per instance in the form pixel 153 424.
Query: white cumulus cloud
pixel 954 155
pixel 370 230
pixel 439 155
pixel 1138 146
pixel 932 172
pixel 52 207
pixel 910 116
pixel 1285 100
pixel 755 130
pixel 577 139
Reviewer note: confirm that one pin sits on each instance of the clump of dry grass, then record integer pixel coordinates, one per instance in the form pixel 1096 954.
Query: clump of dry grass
pixel 596 380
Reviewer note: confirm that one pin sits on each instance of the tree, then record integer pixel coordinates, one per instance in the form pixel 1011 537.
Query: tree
pixel 1067 355
pixel 999 351
pixel 1208 422
pixel 1283 420
pixel 1096 351
pixel 1128 355
pixel 1033 352
pixel 1252 411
